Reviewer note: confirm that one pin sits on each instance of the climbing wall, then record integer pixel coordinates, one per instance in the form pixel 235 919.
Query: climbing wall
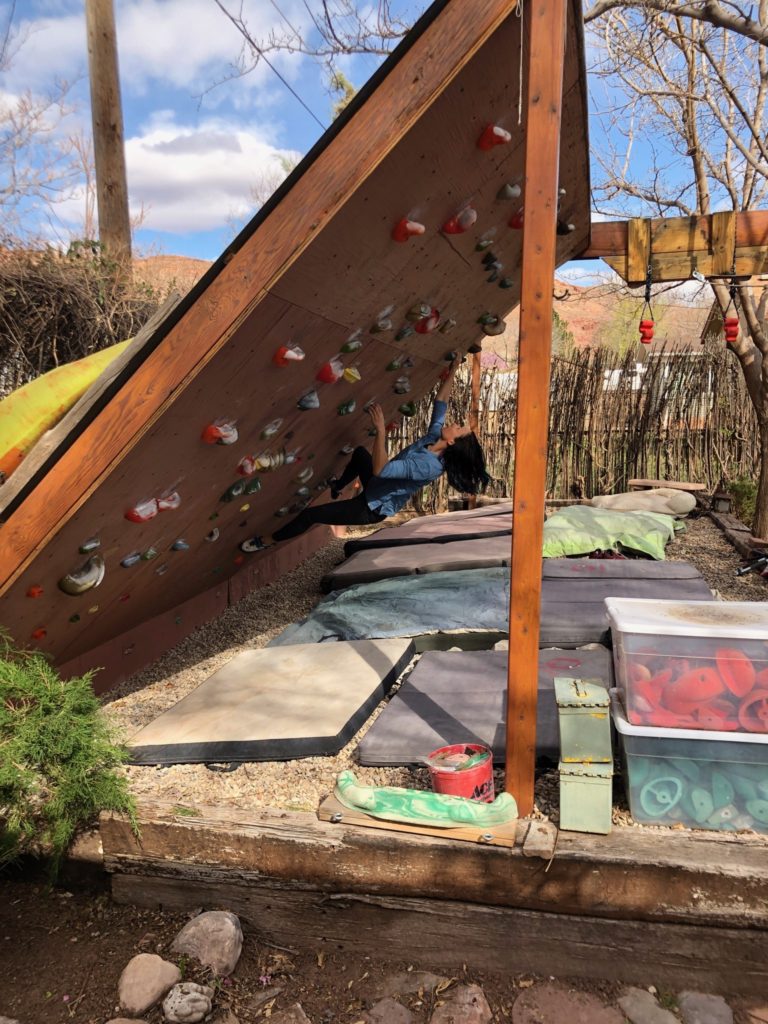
pixel 397 245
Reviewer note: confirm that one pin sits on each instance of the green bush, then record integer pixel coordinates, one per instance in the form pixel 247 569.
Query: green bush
pixel 743 490
pixel 58 759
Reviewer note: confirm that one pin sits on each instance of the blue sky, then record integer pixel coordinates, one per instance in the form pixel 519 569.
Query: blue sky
pixel 195 149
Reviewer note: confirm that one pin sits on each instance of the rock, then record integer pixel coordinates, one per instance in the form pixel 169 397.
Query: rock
pixel 264 997
pixel 144 981
pixel 215 938
pixel 388 1011
pixel 465 1004
pixel 406 983
pixel 698 1008
pixel 115 1020
pixel 293 1015
pixel 641 1008
pixel 540 840
pixel 501 645
pixel 552 1004
pixel 187 1003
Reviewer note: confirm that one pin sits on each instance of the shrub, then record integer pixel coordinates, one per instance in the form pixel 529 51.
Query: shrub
pixel 58 760
pixel 743 490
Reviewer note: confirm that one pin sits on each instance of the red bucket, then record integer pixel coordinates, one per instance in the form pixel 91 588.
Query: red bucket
pixel 475 783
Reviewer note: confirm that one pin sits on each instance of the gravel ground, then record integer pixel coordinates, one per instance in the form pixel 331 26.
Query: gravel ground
pixel 301 784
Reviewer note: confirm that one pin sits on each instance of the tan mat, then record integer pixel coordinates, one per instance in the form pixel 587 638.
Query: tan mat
pixel 276 704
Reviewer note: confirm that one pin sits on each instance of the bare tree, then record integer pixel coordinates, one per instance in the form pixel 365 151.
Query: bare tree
pixel 731 16
pixel 684 131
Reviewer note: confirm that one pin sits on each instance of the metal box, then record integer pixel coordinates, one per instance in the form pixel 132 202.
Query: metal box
pixel 583 712
pixel 586 797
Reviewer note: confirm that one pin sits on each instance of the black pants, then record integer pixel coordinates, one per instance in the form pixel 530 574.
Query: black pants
pixel 354 512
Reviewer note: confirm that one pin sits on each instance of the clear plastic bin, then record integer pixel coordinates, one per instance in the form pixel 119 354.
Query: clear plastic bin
pixel 710 780
pixel 692 664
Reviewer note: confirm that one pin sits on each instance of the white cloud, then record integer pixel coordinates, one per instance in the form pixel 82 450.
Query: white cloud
pixel 195 179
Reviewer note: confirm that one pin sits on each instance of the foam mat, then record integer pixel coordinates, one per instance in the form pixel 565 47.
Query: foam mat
pixel 434 530
pixel 274 705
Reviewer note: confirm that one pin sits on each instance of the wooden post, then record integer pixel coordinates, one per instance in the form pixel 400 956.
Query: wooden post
pixel 545 59
pixel 108 141
pixel 474 406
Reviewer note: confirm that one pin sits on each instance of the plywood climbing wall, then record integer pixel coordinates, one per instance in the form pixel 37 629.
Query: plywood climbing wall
pixel 397 243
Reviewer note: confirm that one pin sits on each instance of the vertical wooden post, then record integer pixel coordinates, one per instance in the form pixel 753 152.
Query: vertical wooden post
pixel 545 55
pixel 474 406
pixel 108 141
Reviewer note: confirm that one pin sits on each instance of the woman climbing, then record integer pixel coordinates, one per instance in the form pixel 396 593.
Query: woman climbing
pixel 387 484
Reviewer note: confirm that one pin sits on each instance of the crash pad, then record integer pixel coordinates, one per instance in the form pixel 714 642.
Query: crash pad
pixel 581 529
pixel 434 530
pixel 416 559
pixel 461 697
pixel 267 705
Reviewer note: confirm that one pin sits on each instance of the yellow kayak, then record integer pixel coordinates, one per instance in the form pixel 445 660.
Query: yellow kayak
pixel 29 411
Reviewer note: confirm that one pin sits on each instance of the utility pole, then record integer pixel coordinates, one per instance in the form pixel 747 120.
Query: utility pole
pixel 108 141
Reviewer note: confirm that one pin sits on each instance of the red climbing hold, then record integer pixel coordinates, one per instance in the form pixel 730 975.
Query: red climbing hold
pixel 35 590
pixel 220 432
pixel 287 354
pixel 731 327
pixel 646 331
pixel 428 323
pixel 492 136
pixel 461 222
pixel 330 372
pixel 405 229
pixel 142 512
pixel 516 220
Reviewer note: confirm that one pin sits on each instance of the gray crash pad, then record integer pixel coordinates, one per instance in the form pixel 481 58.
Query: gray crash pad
pixel 573 612
pixel 461 697
pixel 415 559
pixel 445 526
pixel 268 705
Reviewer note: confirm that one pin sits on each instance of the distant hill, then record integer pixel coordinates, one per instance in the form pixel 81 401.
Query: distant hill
pixel 170 272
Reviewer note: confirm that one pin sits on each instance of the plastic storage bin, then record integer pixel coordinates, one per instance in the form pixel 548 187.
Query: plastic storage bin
pixel 692 664
pixel 710 780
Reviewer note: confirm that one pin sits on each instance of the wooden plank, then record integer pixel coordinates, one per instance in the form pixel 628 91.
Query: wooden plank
pixel 639 484
pixel 723 241
pixel 638 248
pixel 545 58
pixel 677 234
pixel 492 939
pixel 642 875
pixel 412 85
pixel 500 835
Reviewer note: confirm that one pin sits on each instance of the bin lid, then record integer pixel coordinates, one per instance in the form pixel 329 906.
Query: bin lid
pixel 580 693
pixel 656 731
pixel 741 620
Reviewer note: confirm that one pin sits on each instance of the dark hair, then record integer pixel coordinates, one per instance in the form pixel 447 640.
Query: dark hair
pixel 465 465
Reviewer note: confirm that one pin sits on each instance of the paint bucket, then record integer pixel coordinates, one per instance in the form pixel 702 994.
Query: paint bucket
pixel 475 783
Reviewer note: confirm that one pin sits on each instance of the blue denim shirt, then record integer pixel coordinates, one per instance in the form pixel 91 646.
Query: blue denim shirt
pixel 409 471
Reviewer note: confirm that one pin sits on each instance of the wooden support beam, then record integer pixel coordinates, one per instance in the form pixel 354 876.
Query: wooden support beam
pixel 723 242
pixel 545 59
pixel 638 248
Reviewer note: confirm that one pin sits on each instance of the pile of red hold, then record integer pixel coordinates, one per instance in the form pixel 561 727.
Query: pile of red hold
pixel 725 693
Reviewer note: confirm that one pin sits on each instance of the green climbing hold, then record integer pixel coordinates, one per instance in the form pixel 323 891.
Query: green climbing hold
pixel 252 486
pixel 759 810
pixel 703 804
pixel 407 409
pixel 722 790
pixel 235 490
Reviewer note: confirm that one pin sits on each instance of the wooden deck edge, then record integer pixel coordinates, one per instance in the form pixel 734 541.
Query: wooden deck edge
pixel 734 531
pixel 632 874
pixel 450 935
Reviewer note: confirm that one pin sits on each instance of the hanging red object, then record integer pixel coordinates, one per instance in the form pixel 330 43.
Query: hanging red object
pixel 646 331
pixel 428 323
pixel 516 220
pixel 731 328
pixel 492 136
pixel 405 229
pixel 461 222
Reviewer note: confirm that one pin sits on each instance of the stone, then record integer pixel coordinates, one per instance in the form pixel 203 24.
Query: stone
pixel 263 997
pixel 501 645
pixel 215 938
pixel 540 840
pixel 465 1004
pixel 115 1020
pixel 406 983
pixel 145 980
pixel 187 1003
pixel 699 1008
pixel 293 1015
pixel 388 1011
pixel 551 1003
pixel 641 1008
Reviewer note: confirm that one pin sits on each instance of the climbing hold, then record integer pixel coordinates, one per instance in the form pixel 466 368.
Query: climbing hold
pixel 345 408
pixel 381 325
pixel 418 311
pixel 213 535
pixel 88 576
pixel 74 618
pixel 489 258
pixel 35 591
pixel 474 349
pixel 447 325
pixel 298 506
pixel 565 228
pixel 492 325
pixel 284 510
pixel 731 328
pixel 221 431
pixel 143 512
pixel 235 490
pixel 330 372
pixel 402 386
pixel 180 545
pixel 347 449
pixel 646 331
pixel 132 559
pixel 483 244
pixel 149 554
pixel 407 408
pixel 395 363
pixel 169 501
pixel 246 466
pixel 448 357
pixel 506 282
pixel 352 375
pixel 462 222
pixel 161 570
pixel 309 400
pixel 516 220
pixel 352 344
pixel 271 429
pixel 303 492
pixel 89 545
pixel 660 795
pixel 492 136
pixel 39 634
pixel 753 713
pixel 509 192
pixel 305 475
pixel 428 323
pixel 405 331
pixel 736 670
pixel 405 229
pixel 287 354
pixel 722 789
pixel 759 810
